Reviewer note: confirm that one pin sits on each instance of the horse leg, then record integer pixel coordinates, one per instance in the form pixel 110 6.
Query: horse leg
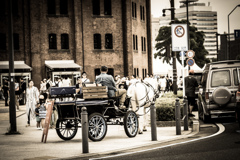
pixel 140 112
pixel 145 119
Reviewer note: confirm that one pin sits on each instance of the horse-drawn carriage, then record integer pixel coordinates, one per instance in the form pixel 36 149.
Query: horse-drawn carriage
pixel 101 110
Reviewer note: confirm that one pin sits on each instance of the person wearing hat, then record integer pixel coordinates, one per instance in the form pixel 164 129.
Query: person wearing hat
pixel 190 85
pixel 108 80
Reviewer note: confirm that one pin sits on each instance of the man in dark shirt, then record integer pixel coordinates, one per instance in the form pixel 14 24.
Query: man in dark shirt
pixel 107 80
pixel 190 85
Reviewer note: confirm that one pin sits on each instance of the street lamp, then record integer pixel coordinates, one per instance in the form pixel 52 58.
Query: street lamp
pixel 228 54
pixel 186 2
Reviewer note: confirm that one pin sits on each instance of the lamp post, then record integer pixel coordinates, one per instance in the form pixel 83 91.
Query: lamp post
pixel 173 53
pixel 186 2
pixel 228 53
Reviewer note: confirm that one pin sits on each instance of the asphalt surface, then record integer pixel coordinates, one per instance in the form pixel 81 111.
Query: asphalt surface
pixel 225 146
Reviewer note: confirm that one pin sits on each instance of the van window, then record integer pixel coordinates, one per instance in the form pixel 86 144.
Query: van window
pixel 235 76
pixel 221 78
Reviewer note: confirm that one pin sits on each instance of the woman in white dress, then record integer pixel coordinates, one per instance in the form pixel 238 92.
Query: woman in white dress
pixel 32 97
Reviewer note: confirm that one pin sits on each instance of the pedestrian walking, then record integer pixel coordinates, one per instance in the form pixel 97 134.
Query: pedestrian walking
pixel 22 97
pixel 37 116
pixel 190 85
pixel 17 93
pixel 42 110
pixel 6 91
pixel 1 93
pixel 32 97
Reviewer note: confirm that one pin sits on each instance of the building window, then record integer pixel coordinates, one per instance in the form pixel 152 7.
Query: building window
pixel 137 72
pixel 96 7
pixel 51 7
pixel 134 10
pixel 52 41
pixel 143 14
pixel 2 41
pixel 143 76
pixel 145 71
pixel 97 41
pixel 15 7
pixel 64 7
pixel 107 7
pixel 16 41
pixel 2 7
pixel 144 44
pixel 136 42
pixel 108 41
pixel 64 41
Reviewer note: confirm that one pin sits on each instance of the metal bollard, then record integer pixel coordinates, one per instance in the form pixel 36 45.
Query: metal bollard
pixel 177 117
pixel 84 121
pixel 185 113
pixel 153 122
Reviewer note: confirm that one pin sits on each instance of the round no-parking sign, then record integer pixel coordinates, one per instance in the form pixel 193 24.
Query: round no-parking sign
pixel 190 62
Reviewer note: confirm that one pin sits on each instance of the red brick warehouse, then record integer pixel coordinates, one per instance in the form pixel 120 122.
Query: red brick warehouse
pixel 87 33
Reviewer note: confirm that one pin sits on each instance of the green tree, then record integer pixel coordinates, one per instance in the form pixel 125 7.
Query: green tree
pixel 164 41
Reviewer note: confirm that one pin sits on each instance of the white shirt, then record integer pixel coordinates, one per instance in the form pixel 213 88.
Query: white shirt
pixel 65 83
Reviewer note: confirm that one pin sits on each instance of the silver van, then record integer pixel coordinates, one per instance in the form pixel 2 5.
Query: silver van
pixel 218 87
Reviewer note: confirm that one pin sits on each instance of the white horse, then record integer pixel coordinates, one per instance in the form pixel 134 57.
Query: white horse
pixel 142 94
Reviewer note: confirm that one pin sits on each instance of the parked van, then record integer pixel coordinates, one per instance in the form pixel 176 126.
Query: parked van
pixel 218 87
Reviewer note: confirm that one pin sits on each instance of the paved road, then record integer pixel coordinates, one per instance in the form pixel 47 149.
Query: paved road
pixel 225 146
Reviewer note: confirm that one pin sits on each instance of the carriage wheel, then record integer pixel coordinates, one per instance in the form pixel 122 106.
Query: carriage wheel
pixel 131 124
pixel 97 127
pixel 66 129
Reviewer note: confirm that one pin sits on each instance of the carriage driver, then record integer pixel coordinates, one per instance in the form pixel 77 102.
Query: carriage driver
pixel 107 80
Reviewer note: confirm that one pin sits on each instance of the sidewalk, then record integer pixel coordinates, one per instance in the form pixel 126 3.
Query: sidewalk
pixel 28 145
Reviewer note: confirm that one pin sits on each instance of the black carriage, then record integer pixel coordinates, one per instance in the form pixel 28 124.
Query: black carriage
pixel 101 112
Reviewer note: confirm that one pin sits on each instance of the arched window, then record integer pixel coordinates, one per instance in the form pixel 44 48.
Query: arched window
pixel 96 7
pixel 51 7
pixel 97 41
pixel 107 7
pixel 108 41
pixel 52 38
pixel 64 7
pixel 64 41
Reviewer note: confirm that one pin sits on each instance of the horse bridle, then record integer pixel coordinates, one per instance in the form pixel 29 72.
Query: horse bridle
pixel 147 96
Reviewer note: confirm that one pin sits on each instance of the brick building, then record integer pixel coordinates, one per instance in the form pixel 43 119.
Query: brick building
pixel 65 37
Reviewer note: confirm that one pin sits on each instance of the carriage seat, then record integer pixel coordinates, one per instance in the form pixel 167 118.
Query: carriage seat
pixel 56 92
pixel 94 92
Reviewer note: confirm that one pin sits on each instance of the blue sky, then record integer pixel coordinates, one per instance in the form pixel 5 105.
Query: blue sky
pixel 223 8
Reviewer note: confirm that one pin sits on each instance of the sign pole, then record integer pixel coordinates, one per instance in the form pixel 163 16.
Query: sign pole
pixel 183 73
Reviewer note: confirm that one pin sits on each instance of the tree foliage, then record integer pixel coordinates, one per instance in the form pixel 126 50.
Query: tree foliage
pixel 164 41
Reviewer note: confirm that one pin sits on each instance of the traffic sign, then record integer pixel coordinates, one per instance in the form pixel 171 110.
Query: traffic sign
pixel 190 62
pixel 180 53
pixel 190 54
pixel 179 37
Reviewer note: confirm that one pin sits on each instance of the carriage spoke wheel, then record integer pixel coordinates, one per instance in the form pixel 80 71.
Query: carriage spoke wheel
pixel 131 124
pixel 66 129
pixel 97 127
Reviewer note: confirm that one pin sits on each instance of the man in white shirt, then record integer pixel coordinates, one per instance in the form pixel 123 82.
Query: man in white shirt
pixel 66 82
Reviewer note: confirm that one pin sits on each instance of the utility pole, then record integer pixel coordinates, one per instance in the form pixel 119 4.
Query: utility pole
pixel 174 53
pixel 12 108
